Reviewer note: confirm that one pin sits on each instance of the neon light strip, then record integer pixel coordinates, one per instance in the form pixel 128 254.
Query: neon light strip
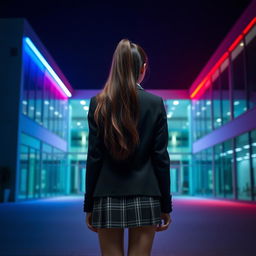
pixel 48 67
pixel 223 58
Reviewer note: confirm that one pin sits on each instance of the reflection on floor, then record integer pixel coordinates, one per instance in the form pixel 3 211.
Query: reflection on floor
pixel 56 226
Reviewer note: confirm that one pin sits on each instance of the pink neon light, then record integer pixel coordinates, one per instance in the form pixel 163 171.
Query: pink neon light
pixel 56 88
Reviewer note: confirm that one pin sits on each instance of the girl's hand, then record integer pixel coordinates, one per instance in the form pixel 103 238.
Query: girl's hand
pixel 89 222
pixel 167 221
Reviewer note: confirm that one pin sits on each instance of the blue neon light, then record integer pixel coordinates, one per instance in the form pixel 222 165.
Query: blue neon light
pixel 47 66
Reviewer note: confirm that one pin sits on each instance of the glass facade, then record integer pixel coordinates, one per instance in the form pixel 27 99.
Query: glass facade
pixel 230 89
pixel 227 169
pixel 42 100
pixel 42 169
pixel 179 147
pixel 78 140
pixel 214 168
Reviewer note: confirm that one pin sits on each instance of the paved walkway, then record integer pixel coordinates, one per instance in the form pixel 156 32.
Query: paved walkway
pixel 56 227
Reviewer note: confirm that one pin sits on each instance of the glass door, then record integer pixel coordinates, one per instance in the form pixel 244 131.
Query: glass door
pixel 175 179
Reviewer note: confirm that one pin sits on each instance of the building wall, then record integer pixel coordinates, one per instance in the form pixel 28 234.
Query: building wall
pixel 178 110
pixel 34 116
pixel 224 110
pixel 10 77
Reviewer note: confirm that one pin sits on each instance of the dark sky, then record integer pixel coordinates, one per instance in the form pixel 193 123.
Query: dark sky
pixel 178 36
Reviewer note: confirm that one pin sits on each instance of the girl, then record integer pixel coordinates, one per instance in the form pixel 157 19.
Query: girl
pixel 128 165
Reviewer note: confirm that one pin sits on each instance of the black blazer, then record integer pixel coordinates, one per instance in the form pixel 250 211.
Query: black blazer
pixel 147 172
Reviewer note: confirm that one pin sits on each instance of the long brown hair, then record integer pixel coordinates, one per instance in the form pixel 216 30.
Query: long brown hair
pixel 117 111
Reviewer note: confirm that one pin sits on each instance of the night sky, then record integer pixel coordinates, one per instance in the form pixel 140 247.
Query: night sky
pixel 178 36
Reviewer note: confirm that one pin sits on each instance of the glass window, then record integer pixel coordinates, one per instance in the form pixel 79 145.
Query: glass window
pixel 243 167
pixel 197 173
pixel 227 160
pixel 207 177
pixel 178 126
pixel 31 91
pixel 250 40
pixel 225 99
pixel 198 118
pixel 26 64
pixel 40 98
pixel 253 147
pixel 202 108
pixel 219 179
pixel 216 98
pixel 223 157
pixel 207 109
pixel 194 118
pixel 23 175
pixel 239 87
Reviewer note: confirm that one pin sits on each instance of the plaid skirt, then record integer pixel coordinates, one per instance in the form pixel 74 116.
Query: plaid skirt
pixel 125 211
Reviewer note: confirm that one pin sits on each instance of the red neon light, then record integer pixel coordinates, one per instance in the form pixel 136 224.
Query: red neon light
pixel 220 61
pixel 215 67
pixel 223 58
pixel 198 88
pixel 249 26
pixel 233 46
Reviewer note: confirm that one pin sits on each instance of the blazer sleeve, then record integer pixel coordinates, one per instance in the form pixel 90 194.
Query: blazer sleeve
pixel 161 160
pixel 94 158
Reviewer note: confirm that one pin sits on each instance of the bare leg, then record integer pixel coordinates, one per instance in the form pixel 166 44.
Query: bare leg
pixel 141 240
pixel 111 241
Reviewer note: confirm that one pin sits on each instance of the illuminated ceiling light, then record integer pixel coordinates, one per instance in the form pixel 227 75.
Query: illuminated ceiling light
pixel 172 108
pixel 239 158
pixel 218 120
pixel 82 102
pixel 24 102
pixel 254 144
pixel 175 102
pixel 241 44
pixel 203 108
pixel 56 113
pixel 228 113
pixel 174 139
pixel 78 123
pixel 38 113
pixel 198 113
pixel 86 108
pixel 208 102
pixel 47 66
pixel 230 151
pixel 46 102
pixel 51 107
pixel 83 139
pixel 169 115
pixel 32 108
pixel 246 146
pixel 238 149
pixel 236 103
